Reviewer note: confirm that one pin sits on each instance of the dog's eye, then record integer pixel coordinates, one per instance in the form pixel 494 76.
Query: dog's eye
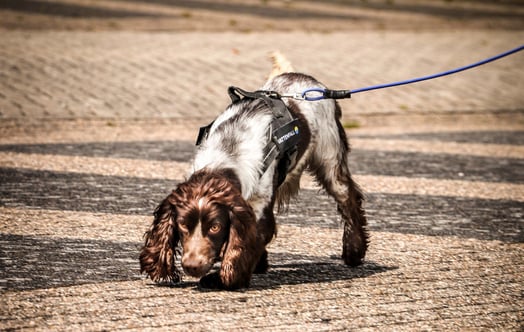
pixel 182 227
pixel 215 228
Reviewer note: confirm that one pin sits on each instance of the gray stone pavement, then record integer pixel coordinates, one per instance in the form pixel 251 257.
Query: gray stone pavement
pixel 96 127
pixel 71 75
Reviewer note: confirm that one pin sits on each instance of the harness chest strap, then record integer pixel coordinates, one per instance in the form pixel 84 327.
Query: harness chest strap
pixel 282 146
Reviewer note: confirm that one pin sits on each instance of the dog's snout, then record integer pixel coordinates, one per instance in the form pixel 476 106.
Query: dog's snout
pixel 194 265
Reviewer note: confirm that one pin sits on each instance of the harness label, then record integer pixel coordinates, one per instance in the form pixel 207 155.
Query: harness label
pixel 287 136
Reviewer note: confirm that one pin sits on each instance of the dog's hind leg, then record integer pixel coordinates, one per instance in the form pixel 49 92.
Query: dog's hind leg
pixel 355 238
pixel 330 166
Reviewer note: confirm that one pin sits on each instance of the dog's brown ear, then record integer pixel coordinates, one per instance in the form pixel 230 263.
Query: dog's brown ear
pixel 157 257
pixel 241 254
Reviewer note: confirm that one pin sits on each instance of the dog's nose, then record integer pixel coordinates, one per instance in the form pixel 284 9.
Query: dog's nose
pixel 194 266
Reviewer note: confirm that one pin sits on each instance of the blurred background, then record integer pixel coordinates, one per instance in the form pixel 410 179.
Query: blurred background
pixel 260 15
pixel 175 59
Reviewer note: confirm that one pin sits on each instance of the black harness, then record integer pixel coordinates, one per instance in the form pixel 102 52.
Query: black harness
pixel 283 132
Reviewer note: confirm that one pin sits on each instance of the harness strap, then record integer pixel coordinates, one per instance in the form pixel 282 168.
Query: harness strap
pixel 282 146
pixel 203 132
pixel 283 132
pixel 234 93
pixel 272 99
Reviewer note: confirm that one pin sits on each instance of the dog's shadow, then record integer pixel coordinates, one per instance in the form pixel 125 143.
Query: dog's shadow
pixel 289 269
pixel 304 270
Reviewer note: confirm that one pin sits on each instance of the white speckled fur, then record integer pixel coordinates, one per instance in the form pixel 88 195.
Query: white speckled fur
pixel 251 137
pixel 250 140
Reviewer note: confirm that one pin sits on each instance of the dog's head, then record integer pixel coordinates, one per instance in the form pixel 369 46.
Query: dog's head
pixel 208 217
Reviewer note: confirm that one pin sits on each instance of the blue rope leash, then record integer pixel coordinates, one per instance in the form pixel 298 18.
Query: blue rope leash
pixel 340 94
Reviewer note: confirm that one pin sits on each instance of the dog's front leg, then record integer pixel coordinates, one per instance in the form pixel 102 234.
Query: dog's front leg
pixel 266 231
pixel 230 278
pixel 236 270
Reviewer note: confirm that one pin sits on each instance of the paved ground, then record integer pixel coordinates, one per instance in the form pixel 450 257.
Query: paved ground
pixel 97 126
pixel 50 75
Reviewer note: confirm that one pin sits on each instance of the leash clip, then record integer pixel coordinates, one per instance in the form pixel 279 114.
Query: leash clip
pixel 296 96
pixel 313 94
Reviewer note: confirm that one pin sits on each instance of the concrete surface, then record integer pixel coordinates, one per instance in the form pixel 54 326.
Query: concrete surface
pixel 96 127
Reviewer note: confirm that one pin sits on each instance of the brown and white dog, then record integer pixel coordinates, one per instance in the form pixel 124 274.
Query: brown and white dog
pixel 224 211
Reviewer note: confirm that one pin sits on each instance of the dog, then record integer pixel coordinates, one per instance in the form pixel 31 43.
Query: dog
pixel 225 210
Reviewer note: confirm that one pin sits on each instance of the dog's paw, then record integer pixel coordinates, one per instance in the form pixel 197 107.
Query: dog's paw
pixel 352 260
pixel 355 244
pixel 211 281
pixel 353 256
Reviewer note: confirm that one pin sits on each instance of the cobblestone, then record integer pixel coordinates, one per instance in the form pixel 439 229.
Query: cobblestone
pixel 70 240
pixel 96 127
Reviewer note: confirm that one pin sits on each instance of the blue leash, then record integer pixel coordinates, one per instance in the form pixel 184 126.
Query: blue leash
pixel 340 94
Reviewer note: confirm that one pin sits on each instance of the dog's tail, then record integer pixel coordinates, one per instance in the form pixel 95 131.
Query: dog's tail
pixel 280 64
